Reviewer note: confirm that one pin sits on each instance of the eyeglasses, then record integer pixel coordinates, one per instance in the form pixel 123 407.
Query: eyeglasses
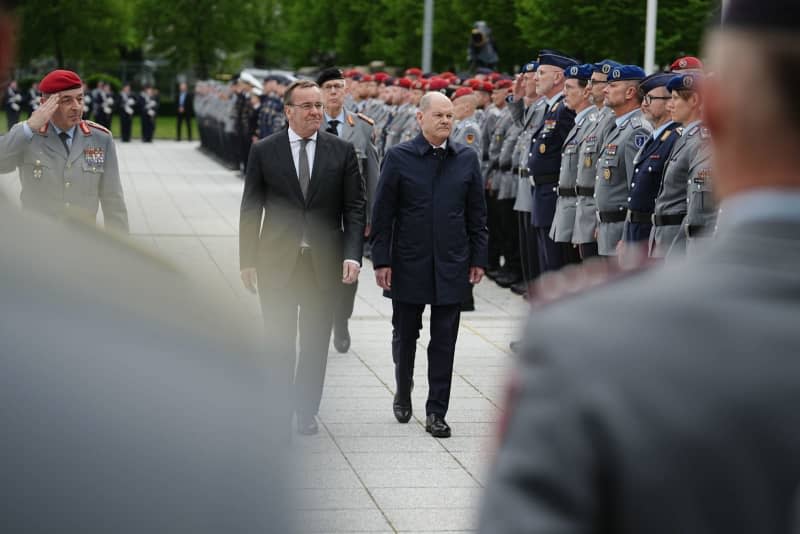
pixel 597 82
pixel 307 106
pixel 332 86
pixel 649 99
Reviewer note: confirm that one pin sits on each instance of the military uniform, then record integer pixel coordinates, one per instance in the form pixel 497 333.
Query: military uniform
pixel 614 174
pixel 12 104
pixel 128 106
pixel 65 185
pixel 148 111
pixel 671 203
pixel 701 209
pixel 468 132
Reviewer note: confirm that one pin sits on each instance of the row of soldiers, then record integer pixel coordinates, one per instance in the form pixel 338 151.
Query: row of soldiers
pixel 99 104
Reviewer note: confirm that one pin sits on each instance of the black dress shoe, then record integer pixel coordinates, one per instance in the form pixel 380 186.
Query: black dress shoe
pixel 402 410
pixel 307 425
pixel 520 288
pixel 341 337
pixel 508 279
pixel 436 427
pixel 491 274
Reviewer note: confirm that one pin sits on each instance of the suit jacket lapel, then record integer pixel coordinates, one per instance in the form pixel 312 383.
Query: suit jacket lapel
pixel 319 156
pixel 289 171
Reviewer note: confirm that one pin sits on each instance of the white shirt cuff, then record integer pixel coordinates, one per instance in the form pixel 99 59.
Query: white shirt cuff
pixel 354 261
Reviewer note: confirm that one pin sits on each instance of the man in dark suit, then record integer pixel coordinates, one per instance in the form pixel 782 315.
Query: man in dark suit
pixel 307 187
pixel 429 243
pixel 688 421
pixel 185 110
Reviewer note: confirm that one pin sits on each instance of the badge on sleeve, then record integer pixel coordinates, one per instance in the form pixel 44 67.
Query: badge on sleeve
pixel 639 140
pixel 469 138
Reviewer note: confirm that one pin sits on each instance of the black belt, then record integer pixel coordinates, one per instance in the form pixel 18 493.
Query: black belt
pixel 505 168
pixel 669 219
pixel 566 192
pixel 584 191
pixel 695 230
pixel 640 217
pixel 523 173
pixel 545 179
pixel 612 216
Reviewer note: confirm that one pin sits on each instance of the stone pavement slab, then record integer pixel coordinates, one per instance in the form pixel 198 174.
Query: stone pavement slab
pixel 363 472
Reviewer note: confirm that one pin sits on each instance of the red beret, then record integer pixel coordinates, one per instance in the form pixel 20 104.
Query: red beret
pixel 687 62
pixel 437 84
pixel 495 76
pixel 503 84
pixel 486 87
pixel 414 71
pixel 366 78
pixel 473 83
pixel 420 85
pixel 403 82
pixel 448 75
pixel 462 91
pixel 59 80
pixel 380 77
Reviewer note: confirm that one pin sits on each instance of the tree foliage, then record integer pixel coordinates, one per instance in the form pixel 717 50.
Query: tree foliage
pixel 211 36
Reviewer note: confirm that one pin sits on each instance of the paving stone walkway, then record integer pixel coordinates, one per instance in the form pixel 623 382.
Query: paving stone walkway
pixel 363 472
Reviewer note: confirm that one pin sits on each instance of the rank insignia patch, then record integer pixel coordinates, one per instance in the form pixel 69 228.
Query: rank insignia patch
pixel 94 156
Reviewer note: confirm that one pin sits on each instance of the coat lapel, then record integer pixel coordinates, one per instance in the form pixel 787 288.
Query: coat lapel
pixel 79 142
pixel 289 171
pixel 320 155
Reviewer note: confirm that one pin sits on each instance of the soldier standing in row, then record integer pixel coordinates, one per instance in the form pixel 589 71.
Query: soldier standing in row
pixel 12 103
pixel 33 98
pixel 149 111
pixel 128 106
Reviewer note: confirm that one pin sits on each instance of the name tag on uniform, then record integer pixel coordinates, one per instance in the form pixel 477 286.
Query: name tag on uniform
pixel 94 156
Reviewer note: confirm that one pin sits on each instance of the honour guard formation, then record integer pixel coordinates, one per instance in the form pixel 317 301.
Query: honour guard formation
pixel 597 192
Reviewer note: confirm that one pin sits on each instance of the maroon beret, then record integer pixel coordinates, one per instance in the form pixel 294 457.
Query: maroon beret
pixel 403 82
pixel 462 91
pixel 687 62
pixel 59 80
pixel 437 84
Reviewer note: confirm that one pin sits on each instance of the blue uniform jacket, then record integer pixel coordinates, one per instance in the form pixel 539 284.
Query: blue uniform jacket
pixel 429 221
pixel 545 161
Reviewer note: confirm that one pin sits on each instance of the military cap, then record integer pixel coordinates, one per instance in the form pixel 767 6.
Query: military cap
pixel 659 79
pixel 329 74
pixel 503 84
pixel 405 83
pixel 605 66
pixel 689 81
pixel 438 84
pixel 448 75
pixel 419 85
pixel 59 80
pixel 531 66
pixel 380 77
pixel 556 59
pixel 774 15
pixel 487 87
pixel 462 91
pixel 357 77
pixel 626 72
pixel 493 77
pixel 367 78
pixel 687 62
pixel 349 73
pixel 473 83
pixel 413 71
pixel 579 72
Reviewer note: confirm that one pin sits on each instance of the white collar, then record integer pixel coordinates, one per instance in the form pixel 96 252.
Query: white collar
pixel 293 137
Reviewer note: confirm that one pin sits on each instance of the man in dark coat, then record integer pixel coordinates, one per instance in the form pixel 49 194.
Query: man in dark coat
pixel 429 243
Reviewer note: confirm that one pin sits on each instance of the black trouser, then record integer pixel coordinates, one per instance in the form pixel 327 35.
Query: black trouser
pixel 510 235
pixel 550 253
pixel 527 247
pixel 345 301
pixel 588 250
pixel 188 119
pixel 569 253
pixel 407 322
pixel 12 118
pixel 279 307
pixel 148 128
pixel 125 123
pixel 493 221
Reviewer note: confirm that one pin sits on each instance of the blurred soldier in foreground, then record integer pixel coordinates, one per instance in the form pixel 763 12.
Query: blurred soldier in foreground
pixel 699 433
pixel 132 404
pixel 67 166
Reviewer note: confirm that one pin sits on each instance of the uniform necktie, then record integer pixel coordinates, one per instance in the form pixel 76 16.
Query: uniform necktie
pixel 64 136
pixel 303 173
pixel 438 153
pixel 332 124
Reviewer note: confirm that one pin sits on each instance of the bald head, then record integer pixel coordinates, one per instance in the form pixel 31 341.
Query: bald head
pixel 431 97
pixel 435 117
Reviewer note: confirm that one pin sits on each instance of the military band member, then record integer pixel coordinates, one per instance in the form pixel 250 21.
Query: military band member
pixel 648 165
pixel 67 166
pixel 12 103
pixel 148 104
pixel 129 105
pixel 577 97
pixel 615 166
pixel 683 165
pixel 33 98
pixel 585 232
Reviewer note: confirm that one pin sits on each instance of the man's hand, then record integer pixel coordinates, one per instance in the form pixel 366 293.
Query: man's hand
pixel 367 230
pixel 383 276
pixel 475 275
pixel 250 279
pixel 519 87
pixel 44 113
pixel 350 272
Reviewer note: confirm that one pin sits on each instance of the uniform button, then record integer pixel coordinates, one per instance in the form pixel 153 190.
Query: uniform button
pixel 594 196
pixel 649 169
pixel 38 162
pixel 67 184
pixel 69 165
pixel 629 199
pixel 636 170
pixel 66 204
pixel 633 185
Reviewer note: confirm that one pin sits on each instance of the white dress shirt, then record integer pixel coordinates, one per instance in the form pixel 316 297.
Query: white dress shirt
pixel 311 149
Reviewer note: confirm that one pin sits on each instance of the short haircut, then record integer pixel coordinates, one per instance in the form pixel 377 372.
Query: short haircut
pixel 299 84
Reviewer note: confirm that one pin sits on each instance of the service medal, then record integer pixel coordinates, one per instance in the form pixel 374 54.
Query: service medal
pixel 542 148
pixel 587 162
pixel 607 174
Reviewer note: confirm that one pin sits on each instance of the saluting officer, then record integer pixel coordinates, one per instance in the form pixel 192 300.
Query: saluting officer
pixel 545 157
pixel 585 232
pixel 358 130
pixel 615 167
pixel 683 166
pixel 648 165
pixel 67 166
pixel 578 98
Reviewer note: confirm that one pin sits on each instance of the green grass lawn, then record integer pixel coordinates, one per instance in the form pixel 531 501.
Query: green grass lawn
pixel 165 128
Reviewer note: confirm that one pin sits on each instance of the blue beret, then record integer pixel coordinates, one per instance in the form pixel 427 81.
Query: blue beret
pixel 685 82
pixel 579 72
pixel 556 59
pixel 626 72
pixel 606 65
pixel 530 67
pixel 659 79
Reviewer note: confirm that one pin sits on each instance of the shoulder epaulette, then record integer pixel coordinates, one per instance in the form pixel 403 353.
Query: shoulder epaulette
pixel 365 118
pixel 704 133
pixel 93 125
pixel 636 122
pixel 666 135
pixel 350 121
pixel 693 131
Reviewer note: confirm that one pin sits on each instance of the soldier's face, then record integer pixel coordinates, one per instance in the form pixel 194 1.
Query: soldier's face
pixel 70 108
pixel 615 93
pixel 654 107
pixel 681 109
pixel 436 121
pixel 530 84
pixel 305 112
pixel 545 80
pixel 598 83
pixel 574 94
pixel 333 92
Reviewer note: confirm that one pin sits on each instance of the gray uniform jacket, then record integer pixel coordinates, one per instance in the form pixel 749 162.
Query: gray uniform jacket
pixel 468 132
pixel 61 185
pixel 689 424
pixel 395 129
pixel 357 129
pixel 613 180
pixel 495 141
pixel 671 198
pixel 533 118
pixel 564 220
pixel 701 210
pixel 490 119
pixel 509 160
pixel 589 150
